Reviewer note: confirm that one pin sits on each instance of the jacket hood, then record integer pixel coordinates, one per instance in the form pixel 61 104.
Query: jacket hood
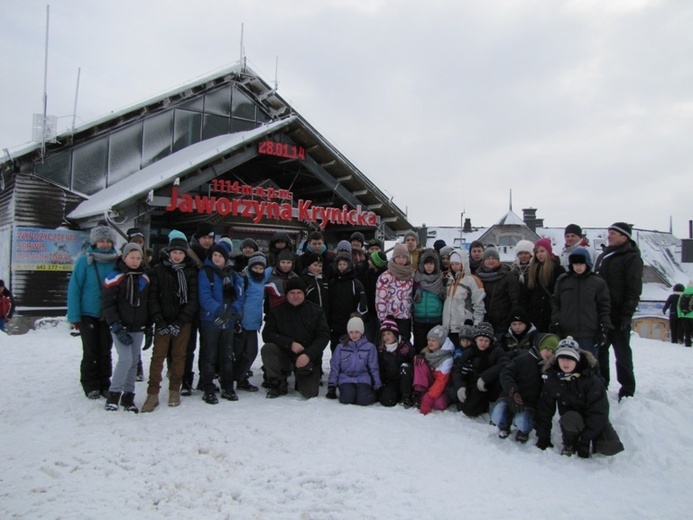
pixel 428 255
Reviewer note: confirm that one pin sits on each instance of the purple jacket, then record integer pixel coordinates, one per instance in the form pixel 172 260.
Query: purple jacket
pixel 355 362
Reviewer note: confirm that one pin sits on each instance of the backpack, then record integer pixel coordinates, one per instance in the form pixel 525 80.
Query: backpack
pixel 686 303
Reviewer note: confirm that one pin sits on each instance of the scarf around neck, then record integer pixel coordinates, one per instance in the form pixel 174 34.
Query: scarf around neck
pixel 436 358
pixel 400 272
pixel 182 292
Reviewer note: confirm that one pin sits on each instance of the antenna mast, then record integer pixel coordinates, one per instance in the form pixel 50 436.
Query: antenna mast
pixel 276 73
pixel 45 85
pixel 242 50
pixel 74 109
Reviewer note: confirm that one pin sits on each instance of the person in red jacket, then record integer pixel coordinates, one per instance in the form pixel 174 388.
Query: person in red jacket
pixel 432 371
pixel 6 305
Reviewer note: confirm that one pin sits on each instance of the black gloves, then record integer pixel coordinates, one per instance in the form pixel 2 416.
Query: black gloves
pixel 225 316
pixel 331 392
pixel 121 333
pixel 148 338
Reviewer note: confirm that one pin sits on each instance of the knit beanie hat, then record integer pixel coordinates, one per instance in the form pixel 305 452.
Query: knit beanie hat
pixel 439 244
pixel 177 241
pixel 374 242
pixel 546 341
pixel 357 235
pixel 130 247
pixel 411 233
pixel 390 324
pixel 524 246
pixel 204 229
pixel 400 250
pixel 223 248
pixel 257 258
pixel 249 242
pixel 102 231
pixel 622 228
pixel 285 254
pixel 580 256
pixel 295 282
pixel 485 329
pixel 545 243
pixel 438 333
pixel 467 330
pixel 446 250
pixel 455 257
pixel 134 232
pixel 491 252
pixel 355 324
pixel 519 314
pixel 310 259
pixel 574 229
pixel 344 246
pixel 569 348
pixel 379 259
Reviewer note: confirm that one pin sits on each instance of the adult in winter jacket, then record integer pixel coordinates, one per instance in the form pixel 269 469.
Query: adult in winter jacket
pixel 521 386
pixel 501 287
pixel 621 268
pixel 685 310
pixel 544 270
pixel 84 310
pixel 6 305
pixel 572 386
pixel 295 335
pixel 346 296
pixel 429 293
pixel 524 250
pixel 672 305
pixel 573 240
pixel 394 290
pixel 395 361
pixel 354 367
pixel 464 296
pixel 581 303
pixel 222 296
pixel 172 306
pixel 125 308
pixel 481 385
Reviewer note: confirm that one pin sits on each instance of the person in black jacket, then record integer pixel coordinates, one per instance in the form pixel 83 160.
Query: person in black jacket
pixel 125 309
pixel 672 304
pixel 571 385
pixel 395 360
pixel 346 296
pixel 6 305
pixel 521 386
pixel 172 306
pixel 295 335
pixel 502 290
pixel 581 304
pixel 621 267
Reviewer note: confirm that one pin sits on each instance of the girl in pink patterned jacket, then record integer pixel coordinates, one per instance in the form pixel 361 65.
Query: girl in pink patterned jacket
pixel 393 291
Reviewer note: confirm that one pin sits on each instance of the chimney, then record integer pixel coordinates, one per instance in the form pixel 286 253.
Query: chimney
pixel 529 216
pixel 467 228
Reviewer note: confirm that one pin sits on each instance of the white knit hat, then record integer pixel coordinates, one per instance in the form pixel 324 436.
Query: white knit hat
pixel 355 324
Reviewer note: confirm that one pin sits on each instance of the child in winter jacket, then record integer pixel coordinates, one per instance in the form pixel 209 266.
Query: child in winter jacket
pixel 354 367
pixel 222 298
pixel 429 293
pixel 393 291
pixel 571 384
pixel 464 298
pixel 432 371
pixel 460 369
pixel 581 303
pixel 277 276
pixel 544 270
pixel 481 386
pixel 395 360
pixel 520 333
pixel 346 296
pixel 6 305
pixel 521 385
pixel 126 291
pixel 245 345
pixel 172 305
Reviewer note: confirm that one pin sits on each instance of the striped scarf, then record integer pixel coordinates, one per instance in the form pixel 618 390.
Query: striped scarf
pixel 182 292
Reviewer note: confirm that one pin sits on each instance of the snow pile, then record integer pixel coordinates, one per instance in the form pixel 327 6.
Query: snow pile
pixel 63 456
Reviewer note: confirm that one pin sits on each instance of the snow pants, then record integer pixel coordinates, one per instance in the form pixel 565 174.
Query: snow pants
pixel 126 368
pixel 96 366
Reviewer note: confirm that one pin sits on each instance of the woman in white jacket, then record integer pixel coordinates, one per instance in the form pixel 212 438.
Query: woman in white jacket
pixel 464 298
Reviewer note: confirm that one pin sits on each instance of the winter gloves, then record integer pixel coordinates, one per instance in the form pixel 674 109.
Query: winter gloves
pixel 481 385
pixel 226 315
pixel 148 338
pixel 462 394
pixel 331 392
pixel 120 333
pixel 426 404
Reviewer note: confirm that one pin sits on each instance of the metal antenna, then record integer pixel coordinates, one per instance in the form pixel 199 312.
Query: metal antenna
pixel 45 85
pixel 242 50
pixel 276 73
pixel 74 108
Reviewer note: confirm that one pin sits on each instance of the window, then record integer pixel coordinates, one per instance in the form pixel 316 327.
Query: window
pixel 187 130
pixel 89 164
pixel 219 102
pixel 242 106
pixel 56 168
pixel 157 138
pixel 124 153
pixel 214 126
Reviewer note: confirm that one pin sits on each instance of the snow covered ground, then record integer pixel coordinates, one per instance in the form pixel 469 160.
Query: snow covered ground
pixel 63 456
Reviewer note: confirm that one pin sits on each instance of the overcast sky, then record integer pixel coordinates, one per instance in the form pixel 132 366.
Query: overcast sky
pixel 584 109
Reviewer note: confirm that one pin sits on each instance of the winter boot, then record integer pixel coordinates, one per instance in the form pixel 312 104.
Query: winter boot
pixel 416 397
pixel 128 402
pixel 247 386
pixel 173 397
pixel 521 437
pixel 150 403
pixel 210 398
pixel 503 433
pixel 229 395
pixel 277 389
pixel 407 401
pixel 94 394
pixel 112 401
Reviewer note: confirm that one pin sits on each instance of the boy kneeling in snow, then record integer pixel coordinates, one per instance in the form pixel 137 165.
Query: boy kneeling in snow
pixel 571 383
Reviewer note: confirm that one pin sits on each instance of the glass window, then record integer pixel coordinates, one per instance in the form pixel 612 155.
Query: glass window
pixel 214 126
pixel 194 103
pixel 262 117
pixel 507 241
pixel 240 125
pixel 157 137
pixel 219 102
pixel 124 153
pixel 89 166
pixel 56 168
pixel 188 126
pixel 242 105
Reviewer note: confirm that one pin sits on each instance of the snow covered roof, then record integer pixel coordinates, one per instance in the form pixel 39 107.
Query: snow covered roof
pixel 164 172
pixel 510 219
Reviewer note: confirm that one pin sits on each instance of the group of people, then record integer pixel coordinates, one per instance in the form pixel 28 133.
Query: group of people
pixel 679 306
pixel 486 336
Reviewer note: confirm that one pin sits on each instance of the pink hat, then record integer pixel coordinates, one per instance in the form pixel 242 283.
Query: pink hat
pixel 545 243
